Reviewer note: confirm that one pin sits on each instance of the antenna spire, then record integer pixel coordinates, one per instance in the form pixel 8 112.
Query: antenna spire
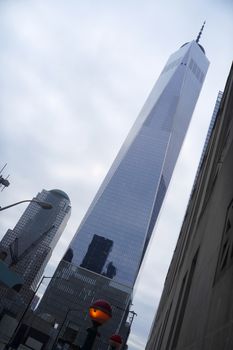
pixel 200 33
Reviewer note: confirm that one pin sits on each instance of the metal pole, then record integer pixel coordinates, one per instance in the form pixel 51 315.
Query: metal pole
pixel 60 328
pixel 44 205
pixel 25 311
pixel 91 336
pixel 127 335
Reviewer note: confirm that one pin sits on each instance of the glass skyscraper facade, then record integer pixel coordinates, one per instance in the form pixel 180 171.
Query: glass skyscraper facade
pixel 114 234
pixel 30 244
pixel 127 204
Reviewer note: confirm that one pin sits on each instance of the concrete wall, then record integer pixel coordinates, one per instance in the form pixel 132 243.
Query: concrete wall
pixel 196 307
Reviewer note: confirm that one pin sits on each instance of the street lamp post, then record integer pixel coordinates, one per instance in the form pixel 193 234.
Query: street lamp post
pixel 100 312
pixel 62 325
pixel 44 205
pixel 133 314
pixel 25 312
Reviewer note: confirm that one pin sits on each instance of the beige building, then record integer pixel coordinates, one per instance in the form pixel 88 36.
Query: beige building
pixel 196 307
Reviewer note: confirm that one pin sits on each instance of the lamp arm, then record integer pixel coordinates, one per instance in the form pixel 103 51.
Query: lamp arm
pixel 12 205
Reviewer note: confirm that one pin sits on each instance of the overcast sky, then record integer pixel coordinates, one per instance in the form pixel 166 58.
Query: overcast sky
pixel 74 76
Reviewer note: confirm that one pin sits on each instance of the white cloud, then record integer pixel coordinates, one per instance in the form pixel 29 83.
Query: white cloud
pixel 136 343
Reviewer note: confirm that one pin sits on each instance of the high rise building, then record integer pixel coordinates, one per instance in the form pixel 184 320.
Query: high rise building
pixel 30 244
pixel 195 309
pixel 111 241
pixel 209 132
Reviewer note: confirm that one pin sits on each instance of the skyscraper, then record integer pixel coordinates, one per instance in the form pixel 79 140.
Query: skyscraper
pixel 30 244
pixel 212 123
pixel 122 216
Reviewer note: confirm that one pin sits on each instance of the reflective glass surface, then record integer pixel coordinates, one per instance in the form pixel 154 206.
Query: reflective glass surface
pixel 127 204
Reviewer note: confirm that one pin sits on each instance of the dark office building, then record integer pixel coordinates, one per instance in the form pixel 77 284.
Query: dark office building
pixel 195 310
pixel 97 254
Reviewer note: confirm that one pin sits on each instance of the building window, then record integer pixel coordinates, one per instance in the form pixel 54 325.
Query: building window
pixel 225 259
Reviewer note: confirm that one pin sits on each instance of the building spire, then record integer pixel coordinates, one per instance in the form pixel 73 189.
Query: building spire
pixel 200 33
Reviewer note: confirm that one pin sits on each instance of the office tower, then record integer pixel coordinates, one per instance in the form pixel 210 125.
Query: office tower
pixel 212 123
pixel 122 216
pixel 195 310
pixel 97 254
pixel 30 244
